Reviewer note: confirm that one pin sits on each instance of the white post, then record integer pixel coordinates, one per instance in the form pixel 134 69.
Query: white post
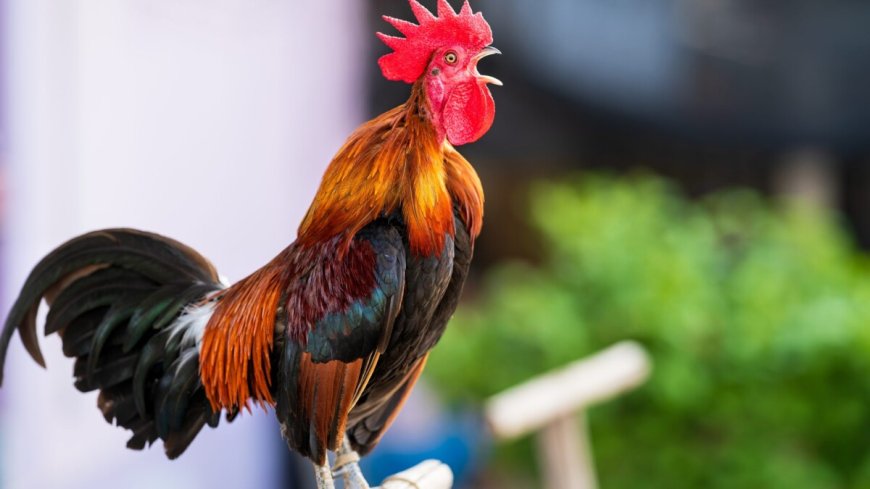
pixel 566 456
pixel 557 394
pixel 549 404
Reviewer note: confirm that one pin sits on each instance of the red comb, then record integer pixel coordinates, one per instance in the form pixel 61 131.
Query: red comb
pixel 412 53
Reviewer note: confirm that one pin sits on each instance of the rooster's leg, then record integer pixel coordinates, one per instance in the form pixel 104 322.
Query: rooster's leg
pixel 323 475
pixel 347 466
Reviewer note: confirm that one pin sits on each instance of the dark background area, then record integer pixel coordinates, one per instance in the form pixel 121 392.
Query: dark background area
pixel 711 94
pixel 756 325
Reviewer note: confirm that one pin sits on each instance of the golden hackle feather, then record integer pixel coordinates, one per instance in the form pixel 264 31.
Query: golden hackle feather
pixel 380 170
pixel 235 362
pixel 465 187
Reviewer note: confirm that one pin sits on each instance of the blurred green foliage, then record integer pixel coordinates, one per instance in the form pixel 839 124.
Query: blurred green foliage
pixel 757 316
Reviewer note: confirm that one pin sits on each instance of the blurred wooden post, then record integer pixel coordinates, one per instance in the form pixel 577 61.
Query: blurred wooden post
pixel 566 457
pixel 809 175
pixel 550 403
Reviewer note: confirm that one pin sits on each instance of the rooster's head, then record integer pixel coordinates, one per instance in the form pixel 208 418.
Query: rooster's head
pixel 441 52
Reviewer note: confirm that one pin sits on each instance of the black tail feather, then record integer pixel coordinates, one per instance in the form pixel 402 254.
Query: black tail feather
pixel 113 295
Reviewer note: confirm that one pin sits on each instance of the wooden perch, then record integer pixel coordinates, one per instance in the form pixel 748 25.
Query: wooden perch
pixel 539 402
pixel 430 474
pixel 550 404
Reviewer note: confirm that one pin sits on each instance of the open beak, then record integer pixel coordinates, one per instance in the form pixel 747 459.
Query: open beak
pixel 487 51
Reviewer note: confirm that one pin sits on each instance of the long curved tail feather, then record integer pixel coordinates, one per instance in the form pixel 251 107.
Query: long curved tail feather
pixel 130 306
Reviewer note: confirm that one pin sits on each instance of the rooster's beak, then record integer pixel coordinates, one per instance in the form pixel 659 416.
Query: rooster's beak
pixel 487 51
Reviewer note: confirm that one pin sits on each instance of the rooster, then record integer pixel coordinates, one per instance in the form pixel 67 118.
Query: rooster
pixel 334 331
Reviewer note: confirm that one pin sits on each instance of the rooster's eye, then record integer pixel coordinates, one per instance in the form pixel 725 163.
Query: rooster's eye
pixel 450 57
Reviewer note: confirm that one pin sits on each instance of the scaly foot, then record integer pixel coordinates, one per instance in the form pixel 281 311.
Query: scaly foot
pixel 323 476
pixel 347 467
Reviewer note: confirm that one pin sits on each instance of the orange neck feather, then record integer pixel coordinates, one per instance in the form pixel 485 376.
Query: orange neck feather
pixel 465 187
pixel 396 162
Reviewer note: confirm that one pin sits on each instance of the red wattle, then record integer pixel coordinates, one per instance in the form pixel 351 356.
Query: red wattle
pixel 468 112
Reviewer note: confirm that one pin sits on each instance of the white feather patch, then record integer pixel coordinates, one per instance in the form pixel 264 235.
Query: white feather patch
pixel 191 324
pixel 224 280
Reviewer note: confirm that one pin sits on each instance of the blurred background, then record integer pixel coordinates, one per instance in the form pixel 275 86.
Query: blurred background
pixel 693 175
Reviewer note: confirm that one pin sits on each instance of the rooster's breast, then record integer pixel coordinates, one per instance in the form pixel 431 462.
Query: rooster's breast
pixel 433 285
